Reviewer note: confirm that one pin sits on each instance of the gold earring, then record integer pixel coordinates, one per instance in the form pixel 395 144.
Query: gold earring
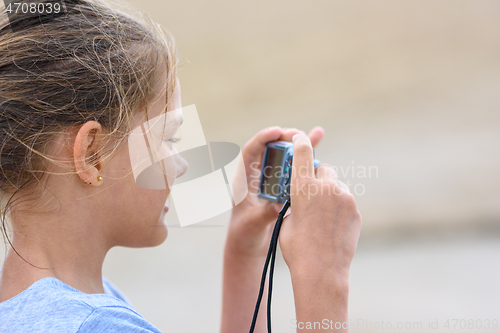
pixel 99 178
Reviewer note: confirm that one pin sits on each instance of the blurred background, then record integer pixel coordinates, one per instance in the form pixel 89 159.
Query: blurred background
pixel 408 88
pixel 408 92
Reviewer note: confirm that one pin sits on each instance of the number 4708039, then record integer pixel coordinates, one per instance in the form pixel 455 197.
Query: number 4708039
pixel 471 324
pixel 33 8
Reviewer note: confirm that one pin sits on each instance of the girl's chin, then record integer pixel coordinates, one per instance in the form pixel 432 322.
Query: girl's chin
pixel 157 233
pixel 160 234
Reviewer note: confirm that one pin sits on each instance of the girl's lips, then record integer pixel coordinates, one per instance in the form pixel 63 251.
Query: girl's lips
pixel 165 209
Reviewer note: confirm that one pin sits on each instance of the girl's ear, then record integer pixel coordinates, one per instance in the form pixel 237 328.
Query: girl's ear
pixel 85 152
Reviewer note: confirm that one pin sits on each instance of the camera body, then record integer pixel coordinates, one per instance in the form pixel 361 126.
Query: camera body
pixel 276 171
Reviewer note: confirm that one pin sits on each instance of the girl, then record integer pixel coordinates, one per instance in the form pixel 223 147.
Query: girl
pixel 72 87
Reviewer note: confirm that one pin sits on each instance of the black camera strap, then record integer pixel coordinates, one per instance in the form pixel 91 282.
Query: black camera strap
pixel 271 257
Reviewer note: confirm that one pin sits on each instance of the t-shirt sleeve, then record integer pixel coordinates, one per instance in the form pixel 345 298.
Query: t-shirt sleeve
pixel 116 319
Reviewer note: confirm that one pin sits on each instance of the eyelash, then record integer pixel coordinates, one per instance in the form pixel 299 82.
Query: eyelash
pixel 173 139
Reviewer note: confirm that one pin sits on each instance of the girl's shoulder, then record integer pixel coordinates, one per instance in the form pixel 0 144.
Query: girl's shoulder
pixel 50 305
pixel 111 290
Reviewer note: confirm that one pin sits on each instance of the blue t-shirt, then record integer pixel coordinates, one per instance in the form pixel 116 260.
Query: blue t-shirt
pixel 50 305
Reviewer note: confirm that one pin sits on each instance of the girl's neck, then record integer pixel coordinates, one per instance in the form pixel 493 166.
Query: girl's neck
pixel 81 270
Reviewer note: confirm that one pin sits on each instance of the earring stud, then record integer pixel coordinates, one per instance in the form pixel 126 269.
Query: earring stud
pixel 99 178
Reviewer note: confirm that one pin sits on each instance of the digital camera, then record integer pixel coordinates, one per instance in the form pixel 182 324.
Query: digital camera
pixel 276 171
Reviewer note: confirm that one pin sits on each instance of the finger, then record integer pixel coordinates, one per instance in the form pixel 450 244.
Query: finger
pixel 303 161
pixel 254 148
pixel 343 186
pixel 277 207
pixel 288 134
pixel 315 135
pixel 325 171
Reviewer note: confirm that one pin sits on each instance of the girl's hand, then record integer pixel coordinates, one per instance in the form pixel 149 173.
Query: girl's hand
pixel 319 237
pixel 252 220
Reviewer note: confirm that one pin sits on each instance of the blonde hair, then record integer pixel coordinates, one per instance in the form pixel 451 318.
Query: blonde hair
pixel 97 61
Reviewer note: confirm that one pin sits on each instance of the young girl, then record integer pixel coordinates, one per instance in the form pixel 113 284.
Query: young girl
pixel 72 88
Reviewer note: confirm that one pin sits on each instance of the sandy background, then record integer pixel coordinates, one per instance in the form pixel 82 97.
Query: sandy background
pixel 410 87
